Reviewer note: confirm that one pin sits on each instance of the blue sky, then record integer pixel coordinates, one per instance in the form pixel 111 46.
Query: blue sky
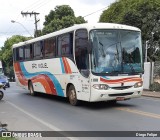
pixel 11 10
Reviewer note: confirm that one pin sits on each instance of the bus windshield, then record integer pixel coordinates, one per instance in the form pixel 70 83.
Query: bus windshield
pixel 116 52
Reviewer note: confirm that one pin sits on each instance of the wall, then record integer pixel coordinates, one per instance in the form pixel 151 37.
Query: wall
pixel 148 74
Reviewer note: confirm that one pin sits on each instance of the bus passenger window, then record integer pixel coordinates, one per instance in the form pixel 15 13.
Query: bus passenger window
pixel 38 50
pixel 65 44
pixel 27 53
pixel 50 47
pixel 20 54
pixel 14 54
pixel 31 51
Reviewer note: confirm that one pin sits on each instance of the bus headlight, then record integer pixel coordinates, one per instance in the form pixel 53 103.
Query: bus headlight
pixel 139 84
pixel 101 86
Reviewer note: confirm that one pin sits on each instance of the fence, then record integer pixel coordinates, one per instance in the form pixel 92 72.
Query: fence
pixel 156 73
pixel 151 73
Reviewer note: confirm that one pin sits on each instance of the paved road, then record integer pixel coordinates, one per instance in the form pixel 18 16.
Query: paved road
pixel 24 112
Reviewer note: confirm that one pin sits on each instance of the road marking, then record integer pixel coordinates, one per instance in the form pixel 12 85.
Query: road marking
pixel 41 121
pixel 148 114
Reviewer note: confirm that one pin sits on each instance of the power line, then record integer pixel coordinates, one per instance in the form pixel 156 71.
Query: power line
pixel 31 6
pixel 40 5
pixel 14 32
pixel 13 21
pixel 96 11
pixel 38 2
pixel 35 17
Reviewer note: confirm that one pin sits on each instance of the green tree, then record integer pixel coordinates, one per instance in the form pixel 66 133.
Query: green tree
pixel 143 14
pixel 62 17
pixel 6 53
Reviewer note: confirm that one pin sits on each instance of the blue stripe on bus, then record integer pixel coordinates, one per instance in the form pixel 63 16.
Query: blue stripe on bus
pixel 51 76
pixel 62 65
pixel 105 77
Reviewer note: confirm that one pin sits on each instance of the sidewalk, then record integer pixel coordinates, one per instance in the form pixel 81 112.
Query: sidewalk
pixel 151 94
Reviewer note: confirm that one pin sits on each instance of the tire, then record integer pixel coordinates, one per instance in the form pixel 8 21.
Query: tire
pixel 31 89
pixel 1 94
pixel 72 96
pixel 8 85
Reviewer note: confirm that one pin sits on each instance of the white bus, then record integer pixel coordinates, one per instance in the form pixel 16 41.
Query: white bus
pixel 89 62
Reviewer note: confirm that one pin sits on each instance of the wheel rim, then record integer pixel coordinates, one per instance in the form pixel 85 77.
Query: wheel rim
pixel 72 97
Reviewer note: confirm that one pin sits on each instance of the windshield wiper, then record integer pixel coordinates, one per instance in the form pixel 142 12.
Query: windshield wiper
pixel 102 52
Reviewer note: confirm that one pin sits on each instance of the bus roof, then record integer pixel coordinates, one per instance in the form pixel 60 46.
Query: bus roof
pixel 87 26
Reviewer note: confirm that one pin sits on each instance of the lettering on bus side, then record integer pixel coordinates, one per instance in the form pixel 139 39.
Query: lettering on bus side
pixel 34 66
pixel 41 65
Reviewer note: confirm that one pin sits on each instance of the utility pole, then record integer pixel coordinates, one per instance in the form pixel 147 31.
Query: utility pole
pixel 35 18
pixel 146 47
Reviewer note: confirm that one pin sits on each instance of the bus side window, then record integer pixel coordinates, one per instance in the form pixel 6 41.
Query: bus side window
pixel 20 53
pixel 38 50
pixel 17 54
pixel 50 47
pixel 14 54
pixel 71 43
pixel 65 45
pixel 81 54
pixel 31 51
pixel 27 52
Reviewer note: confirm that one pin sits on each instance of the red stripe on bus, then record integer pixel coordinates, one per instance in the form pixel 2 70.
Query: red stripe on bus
pixel 123 80
pixel 20 75
pixel 43 79
pixel 65 66
pixel 68 66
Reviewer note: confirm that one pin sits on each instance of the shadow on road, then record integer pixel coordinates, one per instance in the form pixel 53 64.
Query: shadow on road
pixel 105 105
pixel 49 97
pixel 83 104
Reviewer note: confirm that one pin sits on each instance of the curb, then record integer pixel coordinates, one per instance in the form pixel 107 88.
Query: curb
pixel 151 94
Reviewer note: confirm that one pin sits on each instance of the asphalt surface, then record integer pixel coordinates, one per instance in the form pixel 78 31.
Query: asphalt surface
pixel 23 112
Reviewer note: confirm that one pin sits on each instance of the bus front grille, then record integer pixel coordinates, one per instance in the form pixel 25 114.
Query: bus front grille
pixel 121 88
pixel 120 94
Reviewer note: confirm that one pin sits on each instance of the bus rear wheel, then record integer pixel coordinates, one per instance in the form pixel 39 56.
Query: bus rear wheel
pixel 31 89
pixel 72 96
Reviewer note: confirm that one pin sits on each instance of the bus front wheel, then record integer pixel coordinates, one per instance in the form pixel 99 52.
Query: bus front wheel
pixel 31 89
pixel 72 96
pixel 1 95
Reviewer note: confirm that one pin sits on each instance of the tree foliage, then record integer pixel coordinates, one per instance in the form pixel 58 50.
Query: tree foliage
pixel 62 17
pixel 143 14
pixel 6 53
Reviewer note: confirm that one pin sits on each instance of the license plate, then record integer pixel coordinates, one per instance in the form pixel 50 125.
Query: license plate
pixel 120 98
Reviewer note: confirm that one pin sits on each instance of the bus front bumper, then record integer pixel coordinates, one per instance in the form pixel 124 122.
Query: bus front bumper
pixel 106 95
